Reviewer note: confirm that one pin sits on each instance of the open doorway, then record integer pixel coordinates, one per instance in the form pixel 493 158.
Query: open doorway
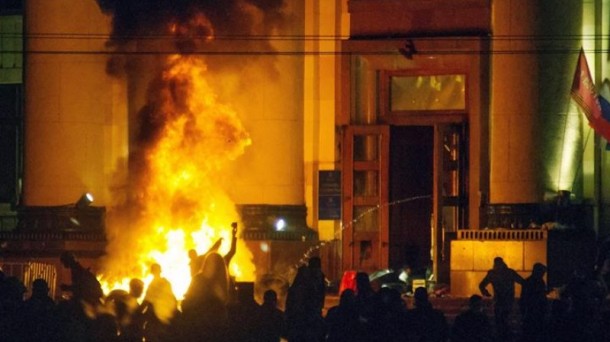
pixel 410 194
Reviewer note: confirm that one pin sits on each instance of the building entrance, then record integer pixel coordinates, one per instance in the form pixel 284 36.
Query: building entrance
pixel 411 200
pixel 404 196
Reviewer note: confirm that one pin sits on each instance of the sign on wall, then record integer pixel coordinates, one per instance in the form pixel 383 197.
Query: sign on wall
pixel 329 195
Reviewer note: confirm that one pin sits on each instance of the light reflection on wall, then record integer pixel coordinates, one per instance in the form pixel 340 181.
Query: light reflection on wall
pixel 571 151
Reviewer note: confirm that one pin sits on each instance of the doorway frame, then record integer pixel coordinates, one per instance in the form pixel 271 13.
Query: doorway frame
pixel 438 119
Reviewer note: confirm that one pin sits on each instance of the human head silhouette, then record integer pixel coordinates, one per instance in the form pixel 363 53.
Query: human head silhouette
pixel 136 287
pixel 475 302
pixel 315 262
pixel 539 269
pixel 499 263
pixel 67 259
pixel 39 288
pixel 192 254
pixel 155 270
pixel 420 297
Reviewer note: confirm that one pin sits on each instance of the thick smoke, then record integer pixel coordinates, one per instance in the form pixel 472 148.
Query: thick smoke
pixel 248 21
pixel 161 27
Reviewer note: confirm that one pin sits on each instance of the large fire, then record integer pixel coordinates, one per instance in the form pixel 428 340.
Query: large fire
pixel 181 203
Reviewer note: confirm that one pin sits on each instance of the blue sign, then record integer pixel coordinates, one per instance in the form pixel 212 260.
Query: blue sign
pixel 329 195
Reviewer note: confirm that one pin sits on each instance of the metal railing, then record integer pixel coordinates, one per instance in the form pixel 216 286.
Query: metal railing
pixel 274 235
pixel 27 272
pixel 502 234
pixel 52 236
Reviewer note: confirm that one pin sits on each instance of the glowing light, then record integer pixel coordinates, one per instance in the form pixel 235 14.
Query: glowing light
pixel 84 201
pixel 571 150
pixel 280 225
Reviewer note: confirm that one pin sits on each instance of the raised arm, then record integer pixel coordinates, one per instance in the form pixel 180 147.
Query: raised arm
pixel 233 249
pixel 518 278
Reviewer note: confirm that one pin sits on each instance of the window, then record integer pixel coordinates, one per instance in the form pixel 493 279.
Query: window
pixel 409 97
pixel 428 92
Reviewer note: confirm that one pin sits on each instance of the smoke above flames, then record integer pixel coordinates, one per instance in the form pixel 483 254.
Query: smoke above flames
pixel 182 136
pixel 194 21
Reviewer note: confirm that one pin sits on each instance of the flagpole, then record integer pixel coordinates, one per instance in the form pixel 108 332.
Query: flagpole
pixel 584 149
pixel 597 155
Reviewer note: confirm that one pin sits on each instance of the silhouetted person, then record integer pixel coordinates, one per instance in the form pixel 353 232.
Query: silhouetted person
pixel 533 304
pixel 134 329
pixel 364 290
pixel 136 288
pixel 77 312
pixel 39 315
pixel 367 303
pixel 204 308
pixel 406 276
pixel 127 311
pixel 272 322
pixel 425 323
pixel 390 318
pixel 318 281
pixel 85 286
pixel 244 316
pixel 11 304
pixel 303 317
pixel 160 305
pixel 472 325
pixel 502 279
pixel 342 320
pixel 196 260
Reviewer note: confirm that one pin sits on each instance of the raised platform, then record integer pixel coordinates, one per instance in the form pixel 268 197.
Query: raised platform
pixel 473 252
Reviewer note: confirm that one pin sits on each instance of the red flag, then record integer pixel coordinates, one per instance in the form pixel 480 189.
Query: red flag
pixel 586 95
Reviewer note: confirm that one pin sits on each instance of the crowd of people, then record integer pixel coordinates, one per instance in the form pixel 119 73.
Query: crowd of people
pixel 215 309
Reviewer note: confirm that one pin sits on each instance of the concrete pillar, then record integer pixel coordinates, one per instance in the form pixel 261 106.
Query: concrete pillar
pixel 75 129
pixel 530 95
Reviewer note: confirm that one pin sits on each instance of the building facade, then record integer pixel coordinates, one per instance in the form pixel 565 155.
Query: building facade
pixel 384 132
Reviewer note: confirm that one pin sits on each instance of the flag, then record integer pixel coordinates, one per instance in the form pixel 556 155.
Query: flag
pixel 603 93
pixel 596 108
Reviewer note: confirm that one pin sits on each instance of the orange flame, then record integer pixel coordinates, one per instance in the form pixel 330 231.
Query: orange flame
pixel 183 203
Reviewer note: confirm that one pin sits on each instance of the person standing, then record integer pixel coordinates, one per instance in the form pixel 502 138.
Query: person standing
pixel 424 322
pixel 472 325
pixel 534 304
pixel 502 279
pixel 85 285
pixel 272 322
pixel 160 294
